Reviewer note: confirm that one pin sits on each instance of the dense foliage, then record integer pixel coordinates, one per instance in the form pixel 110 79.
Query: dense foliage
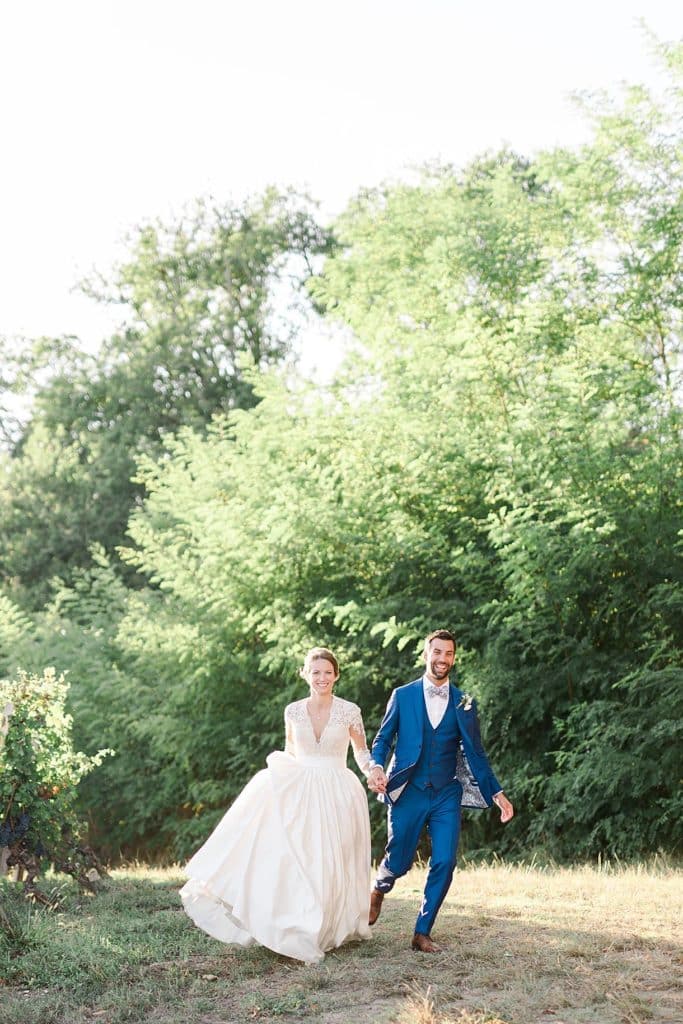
pixel 500 453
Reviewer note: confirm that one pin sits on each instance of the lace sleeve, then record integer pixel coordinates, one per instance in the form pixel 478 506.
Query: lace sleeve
pixel 289 736
pixel 359 742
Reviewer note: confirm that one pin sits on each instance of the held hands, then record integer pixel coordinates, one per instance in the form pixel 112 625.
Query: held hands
pixel 377 780
pixel 506 808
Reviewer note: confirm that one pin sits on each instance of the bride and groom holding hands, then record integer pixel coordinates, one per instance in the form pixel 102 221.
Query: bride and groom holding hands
pixel 288 866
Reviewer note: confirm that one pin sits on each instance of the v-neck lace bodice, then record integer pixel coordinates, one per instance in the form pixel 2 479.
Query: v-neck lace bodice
pixel 344 725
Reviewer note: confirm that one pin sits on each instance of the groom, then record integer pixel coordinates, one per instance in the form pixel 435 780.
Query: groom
pixel 438 765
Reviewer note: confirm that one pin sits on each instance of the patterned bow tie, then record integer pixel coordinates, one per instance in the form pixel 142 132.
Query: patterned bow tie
pixel 438 691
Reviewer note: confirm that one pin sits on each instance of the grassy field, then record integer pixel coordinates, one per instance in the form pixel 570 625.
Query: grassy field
pixel 521 946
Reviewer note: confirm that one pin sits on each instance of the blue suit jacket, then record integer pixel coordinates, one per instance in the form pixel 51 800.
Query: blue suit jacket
pixel 404 722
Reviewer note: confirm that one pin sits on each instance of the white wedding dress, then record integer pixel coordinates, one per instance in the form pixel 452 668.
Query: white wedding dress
pixel 288 866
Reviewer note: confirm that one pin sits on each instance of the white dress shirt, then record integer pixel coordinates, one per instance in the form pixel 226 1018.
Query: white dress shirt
pixel 436 706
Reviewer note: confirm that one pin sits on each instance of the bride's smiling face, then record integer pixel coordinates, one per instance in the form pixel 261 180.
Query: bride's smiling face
pixel 321 676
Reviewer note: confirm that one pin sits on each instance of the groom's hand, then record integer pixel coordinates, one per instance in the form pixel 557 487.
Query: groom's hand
pixel 506 808
pixel 377 780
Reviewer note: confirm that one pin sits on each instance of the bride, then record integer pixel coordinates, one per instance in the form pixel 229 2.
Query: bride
pixel 288 866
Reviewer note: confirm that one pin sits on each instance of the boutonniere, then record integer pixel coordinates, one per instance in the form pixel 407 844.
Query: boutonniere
pixel 466 701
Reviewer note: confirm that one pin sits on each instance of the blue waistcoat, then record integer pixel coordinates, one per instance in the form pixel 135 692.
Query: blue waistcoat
pixel 440 747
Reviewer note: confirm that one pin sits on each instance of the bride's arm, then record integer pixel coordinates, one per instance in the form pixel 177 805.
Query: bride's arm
pixel 360 745
pixel 289 735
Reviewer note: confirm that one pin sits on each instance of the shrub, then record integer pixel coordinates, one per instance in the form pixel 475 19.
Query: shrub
pixel 39 775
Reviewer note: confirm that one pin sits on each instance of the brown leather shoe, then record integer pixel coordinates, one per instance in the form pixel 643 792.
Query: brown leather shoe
pixel 376 898
pixel 424 944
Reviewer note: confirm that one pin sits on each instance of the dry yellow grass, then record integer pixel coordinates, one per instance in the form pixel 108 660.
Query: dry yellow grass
pixel 564 946
pixel 520 946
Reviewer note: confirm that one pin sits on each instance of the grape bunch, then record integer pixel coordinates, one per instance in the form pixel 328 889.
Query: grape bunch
pixel 21 827
pixel 12 832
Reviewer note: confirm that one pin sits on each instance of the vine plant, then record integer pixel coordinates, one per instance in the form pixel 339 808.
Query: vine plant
pixel 39 776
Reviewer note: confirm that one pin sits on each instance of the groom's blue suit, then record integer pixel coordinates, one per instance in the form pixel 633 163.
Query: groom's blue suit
pixel 432 773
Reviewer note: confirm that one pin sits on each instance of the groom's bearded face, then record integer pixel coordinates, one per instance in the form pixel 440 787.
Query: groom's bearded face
pixel 439 658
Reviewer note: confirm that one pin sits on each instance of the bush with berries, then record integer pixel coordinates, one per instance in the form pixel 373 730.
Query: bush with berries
pixel 39 776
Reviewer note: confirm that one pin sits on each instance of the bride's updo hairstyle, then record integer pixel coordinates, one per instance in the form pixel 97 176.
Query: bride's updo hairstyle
pixel 319 652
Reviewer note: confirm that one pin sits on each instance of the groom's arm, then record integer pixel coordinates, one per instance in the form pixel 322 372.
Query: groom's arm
pixel 475 738
pixel 499 798
pixel 377 780
pixel 386 733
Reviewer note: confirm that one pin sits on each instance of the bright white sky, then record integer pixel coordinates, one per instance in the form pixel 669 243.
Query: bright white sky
pixel 117 111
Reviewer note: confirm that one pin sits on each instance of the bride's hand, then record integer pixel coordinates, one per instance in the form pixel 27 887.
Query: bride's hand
pixel 377 780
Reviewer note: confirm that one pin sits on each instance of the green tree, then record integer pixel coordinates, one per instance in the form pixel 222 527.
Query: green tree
pixel 500 454
pixel 199 304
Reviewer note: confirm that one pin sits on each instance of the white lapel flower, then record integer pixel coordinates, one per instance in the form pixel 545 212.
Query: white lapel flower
pixel 466 701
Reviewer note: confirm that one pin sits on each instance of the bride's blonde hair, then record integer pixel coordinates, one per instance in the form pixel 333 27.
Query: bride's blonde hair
pixel 320 652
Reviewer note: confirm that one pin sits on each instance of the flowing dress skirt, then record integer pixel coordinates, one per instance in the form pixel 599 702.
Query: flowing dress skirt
pixel 288 866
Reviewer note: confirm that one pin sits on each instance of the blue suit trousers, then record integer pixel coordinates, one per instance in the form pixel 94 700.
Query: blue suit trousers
pixel 439 812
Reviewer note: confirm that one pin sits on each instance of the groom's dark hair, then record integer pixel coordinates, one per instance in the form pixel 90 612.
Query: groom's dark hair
pixel 438 634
